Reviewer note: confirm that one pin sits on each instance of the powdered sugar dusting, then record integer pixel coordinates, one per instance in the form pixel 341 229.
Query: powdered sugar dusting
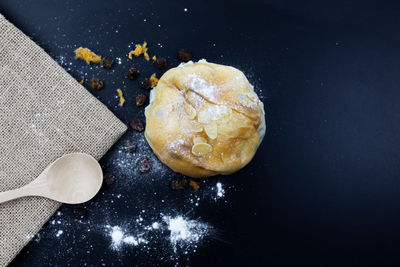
pixel 197 84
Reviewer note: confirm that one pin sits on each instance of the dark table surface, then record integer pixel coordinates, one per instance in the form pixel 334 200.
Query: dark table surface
pixel 324 186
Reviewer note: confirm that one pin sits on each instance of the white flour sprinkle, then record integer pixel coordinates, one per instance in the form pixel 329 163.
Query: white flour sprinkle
pixel 125 163
pixel 220 191
pixel 60 232
pixel 119 238
pixel 185 233
pixel 116 236
pixel 155 225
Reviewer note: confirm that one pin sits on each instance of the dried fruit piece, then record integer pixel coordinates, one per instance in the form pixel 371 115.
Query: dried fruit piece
pixel 194 185
pixel 137 125
pixel 106 62
pixel 132 74
pixel 96 84
pixel 199 139
pixel 108 179
pixel 140 49
pixel 211 129
pixel 145 164
pixel 79 212
pixel 160 63
pixel 178 184
pixel 190 111
pixel 121 98
pixel 184 55
pixel 130 147
pixel 146 84
pixel 87 55
pixel 201 149
pixel 153 80
pixel 140 100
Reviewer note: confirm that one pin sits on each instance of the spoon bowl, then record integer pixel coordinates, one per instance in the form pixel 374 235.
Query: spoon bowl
pixel 73 178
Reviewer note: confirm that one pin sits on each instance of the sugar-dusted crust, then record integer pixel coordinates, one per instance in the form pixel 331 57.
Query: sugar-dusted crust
pixel 204 119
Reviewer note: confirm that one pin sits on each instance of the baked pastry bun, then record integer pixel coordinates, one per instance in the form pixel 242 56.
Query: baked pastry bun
pixel 204 119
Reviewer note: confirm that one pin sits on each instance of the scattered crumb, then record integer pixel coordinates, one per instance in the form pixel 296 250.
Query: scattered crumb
pixel 121 98
pixel 194 185
pixel 154 58
pixel 87 55
pixel 153 80
pixel 82 80
pixel 139 50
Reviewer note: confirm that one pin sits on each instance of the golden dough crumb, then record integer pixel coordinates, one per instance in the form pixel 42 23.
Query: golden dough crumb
pixel 194 185
pixel 146 56
pixel 139 50
pixel 153 80
pixel 82 80
pixel 154 58
pixel 87 55
pixel 121 98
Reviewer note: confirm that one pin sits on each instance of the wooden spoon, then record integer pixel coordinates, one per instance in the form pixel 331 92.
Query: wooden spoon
pixel 73 178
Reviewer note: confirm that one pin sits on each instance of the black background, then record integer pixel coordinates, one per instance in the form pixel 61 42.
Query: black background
pixel 323 187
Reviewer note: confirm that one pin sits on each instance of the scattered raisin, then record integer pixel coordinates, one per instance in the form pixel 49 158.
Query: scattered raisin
pixel 132 73
pixel 137 125
pixel 106 62
pixel 96 84
pixel 160 63
pixel 184 55
pixel 140 100
pixel 146 84
pixel 130 147
pixel 79 212
pixel 109 179
pixel 178 184
pixel 145 164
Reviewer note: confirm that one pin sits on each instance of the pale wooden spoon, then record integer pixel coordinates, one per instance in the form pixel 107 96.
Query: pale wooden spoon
pixel 73 178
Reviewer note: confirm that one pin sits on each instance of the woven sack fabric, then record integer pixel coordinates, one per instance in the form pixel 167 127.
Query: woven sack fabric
pixel 44 114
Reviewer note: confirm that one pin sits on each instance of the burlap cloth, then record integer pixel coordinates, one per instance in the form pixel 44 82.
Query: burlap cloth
pixel 44 113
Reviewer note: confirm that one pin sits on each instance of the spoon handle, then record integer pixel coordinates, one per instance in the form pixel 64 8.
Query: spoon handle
pixel 16 193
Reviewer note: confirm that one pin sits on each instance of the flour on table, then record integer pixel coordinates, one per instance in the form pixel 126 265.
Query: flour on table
pixel 220 190
pixel 185 233
pixel 59 232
